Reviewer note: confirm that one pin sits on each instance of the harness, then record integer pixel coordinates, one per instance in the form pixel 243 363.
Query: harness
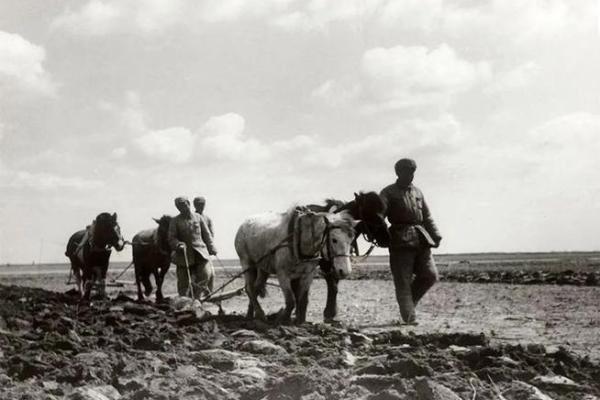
pixel 292 240
pixel 368 235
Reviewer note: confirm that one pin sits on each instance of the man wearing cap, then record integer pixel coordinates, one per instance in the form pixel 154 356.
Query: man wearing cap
pixel 413 234
pixel 192 246
pixel 199 204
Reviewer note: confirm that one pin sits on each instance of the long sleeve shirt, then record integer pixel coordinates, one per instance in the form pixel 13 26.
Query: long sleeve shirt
pixel 194 233
pixel 409 216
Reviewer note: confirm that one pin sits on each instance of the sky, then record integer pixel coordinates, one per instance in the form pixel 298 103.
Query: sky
pixel 122 105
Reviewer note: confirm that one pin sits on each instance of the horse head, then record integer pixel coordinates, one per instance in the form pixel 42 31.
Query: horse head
pixel 163 232
pixel 369 208
pixel 338 242
pixel 107 231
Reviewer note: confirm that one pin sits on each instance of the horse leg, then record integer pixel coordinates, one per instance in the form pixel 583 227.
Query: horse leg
pixel 100 271
pixel 210 270
pixel 250 276
pixel 101 278
pixel 146 281
pixel 301 289
pixel 160 278
pixel 88 282
pixel 138 279
pixel 332 281
pixel 76 268
pixel 290 301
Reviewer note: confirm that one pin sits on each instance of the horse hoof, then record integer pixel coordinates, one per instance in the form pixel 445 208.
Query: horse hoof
pixel 260 316
pixel 283 318
pixel 332 322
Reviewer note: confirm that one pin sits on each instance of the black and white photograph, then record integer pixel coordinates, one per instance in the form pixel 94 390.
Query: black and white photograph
pixel 300 199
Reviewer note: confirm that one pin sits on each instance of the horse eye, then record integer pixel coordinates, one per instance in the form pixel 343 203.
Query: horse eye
pixel 334 240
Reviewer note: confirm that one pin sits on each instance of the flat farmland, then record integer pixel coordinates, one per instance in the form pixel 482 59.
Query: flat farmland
pixel 553 314
pixel 472 338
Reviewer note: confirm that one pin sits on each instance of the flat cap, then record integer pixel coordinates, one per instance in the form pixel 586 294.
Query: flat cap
pixel 405 163
pixel 181 200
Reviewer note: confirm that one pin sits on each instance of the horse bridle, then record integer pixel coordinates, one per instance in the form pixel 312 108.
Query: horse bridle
pixel 331 255
pixel 368 235
pixel 92 243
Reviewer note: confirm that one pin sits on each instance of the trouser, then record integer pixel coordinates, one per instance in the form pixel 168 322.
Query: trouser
pixel 414 273
pixel 202 273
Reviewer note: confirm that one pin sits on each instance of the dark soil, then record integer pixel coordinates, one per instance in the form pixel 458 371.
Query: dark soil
pixel 51 347
pixel 522 277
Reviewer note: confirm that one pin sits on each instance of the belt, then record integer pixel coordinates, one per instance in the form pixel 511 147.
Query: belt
pixel 403 225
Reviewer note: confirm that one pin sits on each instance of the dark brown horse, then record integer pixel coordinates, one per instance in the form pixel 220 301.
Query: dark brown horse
pixel 152 256
pixel 89 252
pixel 369 209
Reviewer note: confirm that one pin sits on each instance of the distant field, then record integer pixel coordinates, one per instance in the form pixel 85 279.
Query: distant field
pixel 550 262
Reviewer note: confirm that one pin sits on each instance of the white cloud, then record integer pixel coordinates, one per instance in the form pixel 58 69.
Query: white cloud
pixel 406 76
pixel 21 66
pixel 220 138
pixel 318 15
pixel 402 76
pixel 234 10
pixel 409 136
pixel 103 17
pixel 174 144
pixel 44 181
pixel 514 19
pixel 335 93
pixel 519 77
pixel 223 137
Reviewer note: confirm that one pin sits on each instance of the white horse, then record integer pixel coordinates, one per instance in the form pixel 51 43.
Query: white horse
pixel 290 246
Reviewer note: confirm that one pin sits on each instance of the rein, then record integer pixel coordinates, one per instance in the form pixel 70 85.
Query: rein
pixel 368 234
pixel 290 242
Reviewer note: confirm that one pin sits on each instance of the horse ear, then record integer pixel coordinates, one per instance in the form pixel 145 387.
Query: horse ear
pixel 114 216
pixel 355 195
pixel 355 222
pixel 156 220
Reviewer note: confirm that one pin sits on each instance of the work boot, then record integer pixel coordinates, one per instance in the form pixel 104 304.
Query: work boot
pixel 412 320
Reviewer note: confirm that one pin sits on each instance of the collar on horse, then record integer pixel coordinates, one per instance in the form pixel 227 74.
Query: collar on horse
pixel 295 231
pixel 88 240
pixel 292 240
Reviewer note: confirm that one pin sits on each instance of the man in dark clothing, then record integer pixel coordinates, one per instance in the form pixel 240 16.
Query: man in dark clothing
pixel 192 246
pixel 199 204
pixel 413 234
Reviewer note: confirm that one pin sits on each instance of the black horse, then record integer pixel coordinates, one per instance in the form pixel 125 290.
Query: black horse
pixel 369 209
pixel 152 255
pixel 89 251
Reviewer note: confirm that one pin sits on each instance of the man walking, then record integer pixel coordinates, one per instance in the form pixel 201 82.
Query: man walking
pixel 199 204
pixel 413 234
pixel 192 245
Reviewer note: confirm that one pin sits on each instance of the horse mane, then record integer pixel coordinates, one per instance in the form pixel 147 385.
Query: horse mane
pixel 343 220
pixel 371 201
pixel 102 217
pixel 164 219
pixel 338 204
